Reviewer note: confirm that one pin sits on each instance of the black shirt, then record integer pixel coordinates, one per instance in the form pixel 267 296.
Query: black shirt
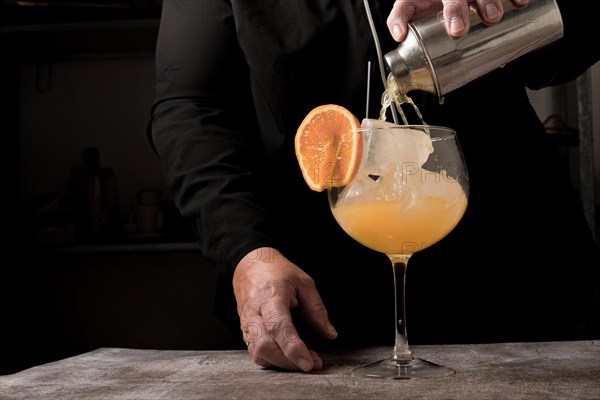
pixel 236 78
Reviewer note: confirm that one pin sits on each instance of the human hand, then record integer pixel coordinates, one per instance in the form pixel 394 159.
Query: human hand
pixel 456 14
pixel 267 286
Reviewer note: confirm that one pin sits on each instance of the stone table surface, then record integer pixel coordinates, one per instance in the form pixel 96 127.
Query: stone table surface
pixel 547 370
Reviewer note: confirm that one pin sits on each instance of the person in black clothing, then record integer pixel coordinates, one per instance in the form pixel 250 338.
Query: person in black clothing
pixel 234 81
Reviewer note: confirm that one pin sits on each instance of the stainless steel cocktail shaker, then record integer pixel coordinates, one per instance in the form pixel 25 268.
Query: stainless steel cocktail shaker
pixel 430 61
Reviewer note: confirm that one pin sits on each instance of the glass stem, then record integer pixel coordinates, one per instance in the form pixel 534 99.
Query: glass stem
pixel 401 350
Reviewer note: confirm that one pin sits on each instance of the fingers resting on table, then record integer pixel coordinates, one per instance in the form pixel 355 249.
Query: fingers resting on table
pixel 267 287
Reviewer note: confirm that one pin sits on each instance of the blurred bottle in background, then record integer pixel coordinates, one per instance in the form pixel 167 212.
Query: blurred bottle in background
pixel 95 200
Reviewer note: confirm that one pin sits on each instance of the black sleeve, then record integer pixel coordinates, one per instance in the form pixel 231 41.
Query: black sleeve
pixel 204 129
pixel 572 55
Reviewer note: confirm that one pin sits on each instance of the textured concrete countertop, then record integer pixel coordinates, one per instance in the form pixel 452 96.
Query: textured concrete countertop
pixel 549 370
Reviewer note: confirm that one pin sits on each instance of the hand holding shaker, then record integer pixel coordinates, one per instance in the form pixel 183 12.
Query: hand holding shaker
pixel 430 61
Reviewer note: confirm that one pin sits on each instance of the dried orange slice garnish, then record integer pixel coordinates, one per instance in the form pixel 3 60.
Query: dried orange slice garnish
pixel 327 157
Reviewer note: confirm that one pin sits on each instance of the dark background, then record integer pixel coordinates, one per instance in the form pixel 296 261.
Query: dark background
pixel 76 75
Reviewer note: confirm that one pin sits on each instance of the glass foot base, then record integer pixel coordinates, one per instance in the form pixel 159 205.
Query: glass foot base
pixel 399 369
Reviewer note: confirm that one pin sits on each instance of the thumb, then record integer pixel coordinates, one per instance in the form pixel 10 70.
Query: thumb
pixel 315 313
pixel 398 18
